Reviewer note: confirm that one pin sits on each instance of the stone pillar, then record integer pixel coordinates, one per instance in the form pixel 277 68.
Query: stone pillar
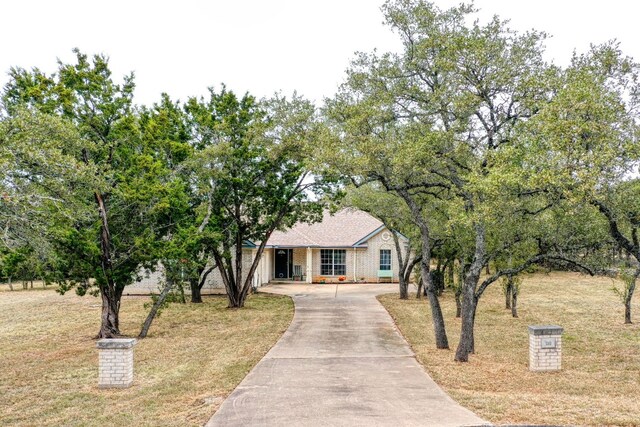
pixel 309 265
pixel 545 348
pixel 116 362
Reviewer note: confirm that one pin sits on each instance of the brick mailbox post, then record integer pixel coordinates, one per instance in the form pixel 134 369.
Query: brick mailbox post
pixel 116 362
pixel 545 348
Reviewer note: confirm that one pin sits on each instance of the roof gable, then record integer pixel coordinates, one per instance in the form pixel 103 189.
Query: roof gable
pixel 365 239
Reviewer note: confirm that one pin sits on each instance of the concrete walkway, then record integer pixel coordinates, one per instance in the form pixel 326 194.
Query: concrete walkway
pixel 341 363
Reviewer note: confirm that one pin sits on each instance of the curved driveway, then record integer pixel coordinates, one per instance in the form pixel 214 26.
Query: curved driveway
pixel 341 363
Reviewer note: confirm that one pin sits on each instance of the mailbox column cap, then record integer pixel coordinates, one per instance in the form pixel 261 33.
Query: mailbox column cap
pixel 545 330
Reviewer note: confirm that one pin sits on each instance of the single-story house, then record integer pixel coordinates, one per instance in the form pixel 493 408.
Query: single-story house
pixel 349 245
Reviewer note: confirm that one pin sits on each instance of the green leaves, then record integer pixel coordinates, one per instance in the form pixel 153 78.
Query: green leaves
pixel 43 180
pixel 72 139
pixel 252 158
pixel 471 124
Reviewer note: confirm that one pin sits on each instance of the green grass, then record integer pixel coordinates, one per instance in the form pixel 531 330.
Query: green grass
pixel 195 355
pixel 600 381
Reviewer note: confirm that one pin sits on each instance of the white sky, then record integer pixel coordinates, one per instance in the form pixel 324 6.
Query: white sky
pixel 261 46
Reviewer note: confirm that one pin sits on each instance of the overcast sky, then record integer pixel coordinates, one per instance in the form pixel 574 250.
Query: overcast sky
pixel 261 46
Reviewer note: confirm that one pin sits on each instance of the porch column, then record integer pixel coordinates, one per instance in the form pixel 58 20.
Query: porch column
pixel 309 266
pixel 355 259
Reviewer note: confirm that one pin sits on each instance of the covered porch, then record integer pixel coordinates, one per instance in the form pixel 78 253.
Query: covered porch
pixel 309 264
pixel 292 264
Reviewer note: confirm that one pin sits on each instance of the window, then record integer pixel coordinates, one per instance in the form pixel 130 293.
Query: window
pixel 385 259
pixel 333 262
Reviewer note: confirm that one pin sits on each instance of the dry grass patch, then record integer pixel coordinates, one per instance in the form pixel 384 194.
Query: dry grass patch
pixel 193 358
pixel 30 286
pixel 600 379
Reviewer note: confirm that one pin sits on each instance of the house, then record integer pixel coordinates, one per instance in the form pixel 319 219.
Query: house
pixel 349 245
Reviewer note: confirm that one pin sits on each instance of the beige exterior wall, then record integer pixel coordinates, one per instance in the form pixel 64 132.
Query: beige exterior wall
pixel 152 282
pixel 264 273
pixel 300 258
pixel 369 261
pixel 362 265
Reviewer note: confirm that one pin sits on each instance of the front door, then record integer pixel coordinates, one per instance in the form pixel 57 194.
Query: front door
pixel 284 263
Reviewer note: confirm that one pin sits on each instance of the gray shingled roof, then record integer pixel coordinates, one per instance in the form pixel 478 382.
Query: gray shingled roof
pixel 342 229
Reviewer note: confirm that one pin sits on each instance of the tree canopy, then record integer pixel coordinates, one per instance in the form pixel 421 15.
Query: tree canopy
pixel 467 141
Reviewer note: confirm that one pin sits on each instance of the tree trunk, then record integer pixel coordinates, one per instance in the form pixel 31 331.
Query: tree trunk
pixel 109 327
pixel 436 312
pixel 404 287
pixel 154 309
pixel 629 296
pixel 407 276
pixel 469 297
pixel 109 291
pixel 427 283
pixel 228 278
pixel 196 294
pixel 241 296
pixel 234 297
pixel 514 302
pixel 631 247
pixel 197 285
pixel 419 292
pixel 238 288
pixel 403 263
pixel 231 271
pixel 507 294
pixel 467 342
pixel 10 283
pixel 458 291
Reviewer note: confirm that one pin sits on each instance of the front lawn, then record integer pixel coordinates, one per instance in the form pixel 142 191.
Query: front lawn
pixel 193 358
pixel 600 380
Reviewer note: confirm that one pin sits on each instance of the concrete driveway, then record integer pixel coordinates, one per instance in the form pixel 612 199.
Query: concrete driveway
pixel 341 363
